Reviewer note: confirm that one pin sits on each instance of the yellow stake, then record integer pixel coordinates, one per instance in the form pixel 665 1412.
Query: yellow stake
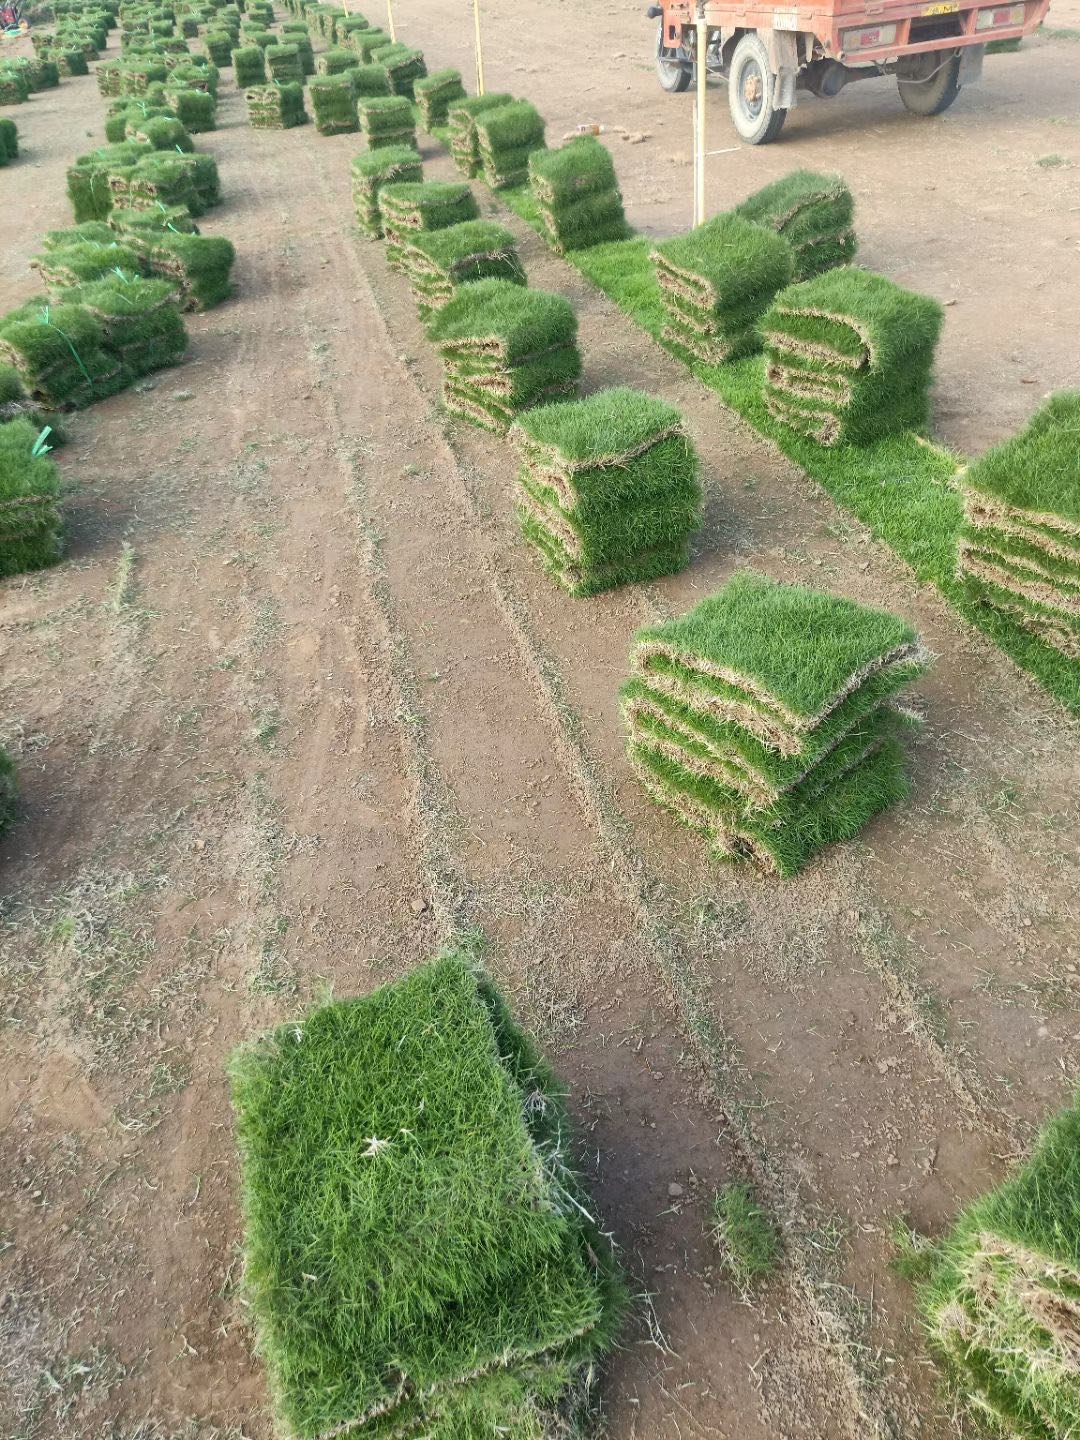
pixel 701 61
pixel 479 48
pixel 390 20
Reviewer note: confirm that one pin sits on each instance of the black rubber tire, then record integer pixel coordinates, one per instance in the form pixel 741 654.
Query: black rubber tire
pixel 751 87
pixel 673 78
pixel 935 84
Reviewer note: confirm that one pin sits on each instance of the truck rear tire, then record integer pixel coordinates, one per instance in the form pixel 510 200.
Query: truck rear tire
pixel 752 93
pixel 930 82
pixel 673 76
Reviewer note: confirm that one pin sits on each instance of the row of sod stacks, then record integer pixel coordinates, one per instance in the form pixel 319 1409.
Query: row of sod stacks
pixel 765 718
pixel 716 283
pixel 464 139
pixel 9 141
pixel 815 215
pixel 386 120
pixel 1019 549
pixel 197 266
pixel 438 262
pixel 275 107
pixel 505 139
pixel 577 194
pixel 608 492
pixel 389 165
pixel 31 532
pixel 1001 1300
pixel 429 205
pixel 411 1151
pixel 849 357
pixel 402 65
pixel 333 103
pixel 504 349
pixel 435 94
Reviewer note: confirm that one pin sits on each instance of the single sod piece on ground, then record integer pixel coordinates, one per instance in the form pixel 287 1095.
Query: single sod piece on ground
pixel 435 94
pixel 505 348
pixel 408 210
pixel 372 171
pixel 412 1151
pixel 765 718
pixel 464 141
pixel 608 490
pixel 578 194
pixel 814 214
pixel 716 283
pixel 333 101
pixel 849 357
pixel 275 107
pixel 1019 549
pixel 505 138
pixel 31 533
pixel 437 262
pixel 387 120
pixel 1002 1300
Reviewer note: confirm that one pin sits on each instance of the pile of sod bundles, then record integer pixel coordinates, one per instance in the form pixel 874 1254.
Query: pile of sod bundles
pixel 408 209
pixel 164 179
pixel 764 719
pixel 437 262
pixel 140 322
pixel 335 62
pixel 9 141
pixel 461 118
pixel 366 42
pixel 283 64
pixel 814 214
pixel 162 132
pixel 410 1151
pixel 577 194
pixel 371 171
pixel 505 348
pixel 59 353
pixel 82 261
pixel 195 109
pixel 1019 549
pixel 716 283
pixel 31 533
pixel 70 62
pixel 219 46
pixel 849 357
pixel 333 101
pixel 505 139
pixel 275 107
pixel 88 179
pixel 199 266
pixel 435 94
pixel 608 491
pixel 402 65
pixel 13 87
pixel 387 120
pixel 249 68
pixel 369 80
pixel 1001 1300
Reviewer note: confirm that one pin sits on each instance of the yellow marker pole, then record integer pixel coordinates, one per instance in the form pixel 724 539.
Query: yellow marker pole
pixel 390 20
pixel 700 59
pixel 479 48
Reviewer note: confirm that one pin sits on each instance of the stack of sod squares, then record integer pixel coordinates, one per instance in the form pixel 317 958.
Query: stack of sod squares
pixel 1019 548
pixel 437 262
pixel 419 1253
pixel 388 165
pixel 407 210
pixel 403 67
pixel 577 194
pixel 387 120
pixel 1001 1300
pixel 814 214
pixel 464 142
pixel 333 99
pixel 275 107
pixel 505 139
pixel 31 534
pixel 60 354
pixel 284 65
pixel 505 348
pixel 716 283
pixel 140 321
pixel 435 94
pixel 764 719
pixel 608 491
pixel 849 357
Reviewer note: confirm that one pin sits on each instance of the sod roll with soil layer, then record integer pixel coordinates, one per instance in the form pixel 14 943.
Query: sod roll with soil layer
pixel 1002 1302
pixel 333 103
pixel 435 94
pixel 506 137
pixel 577 194
pixel 849 357
pixel 504 349
pixel 765 718
pixel 408 210
pixel 464 141
pixel 410 1151
pixel 608 490
pixel 31 532
pixel 814 214
pixel 275 107
pixel 716 284
pixel 387 120
pixel 437 262
pixel 1019 547
pixel 388 165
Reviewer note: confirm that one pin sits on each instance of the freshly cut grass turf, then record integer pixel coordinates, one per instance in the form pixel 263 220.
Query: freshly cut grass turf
pixel 9 140
pixel 31 531
pixel 196 109
pixel 333 101
pixel 1002 1301
pixel 59 353
pixel 84 261
pixel 435 94
pixel 1035 476
pixel 717 282
pixel 387 165
pixel 437 262
pixel 464 141
pixel 283 64
pixel 403 67
pixel 88 179
pixel 369 80
pixel 408 209
pixel 506 137
pixel 335 62
pixel 9 791
pixel 814 214
pixel 577 194
pixel 387 120
pixel 199 265
pixel 409 1151
pixel 140 322
pixel 276 107
pixel 249 67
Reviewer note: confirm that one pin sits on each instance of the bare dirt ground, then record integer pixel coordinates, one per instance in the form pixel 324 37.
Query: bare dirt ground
pixel 298 705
